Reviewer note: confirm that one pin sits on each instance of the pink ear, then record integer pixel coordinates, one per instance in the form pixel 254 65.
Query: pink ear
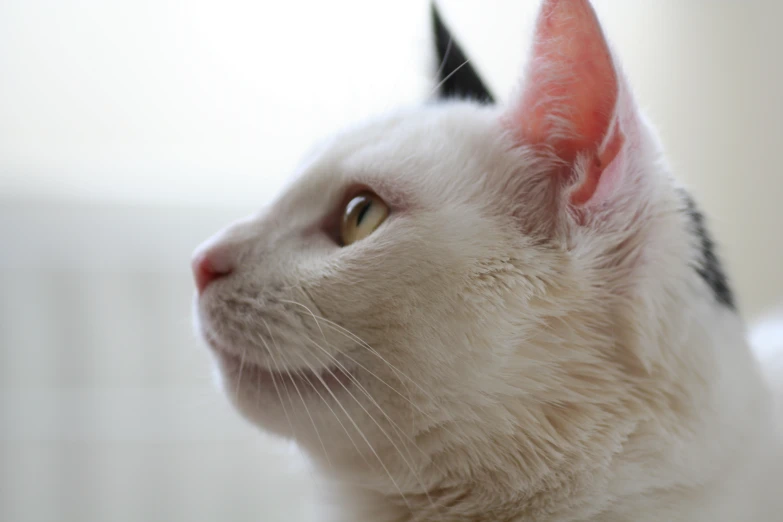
pixel 570 97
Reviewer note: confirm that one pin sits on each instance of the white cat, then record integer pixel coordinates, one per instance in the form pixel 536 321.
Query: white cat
pixel 465 312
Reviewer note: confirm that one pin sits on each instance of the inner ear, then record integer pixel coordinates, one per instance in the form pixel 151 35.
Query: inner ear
pixel 571 87
pixel 455 76
pixel 570 101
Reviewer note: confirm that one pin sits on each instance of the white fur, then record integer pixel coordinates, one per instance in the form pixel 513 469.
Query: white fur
pixel 511 362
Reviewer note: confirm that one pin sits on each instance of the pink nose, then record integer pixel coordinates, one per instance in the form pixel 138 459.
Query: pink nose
pixel 207 269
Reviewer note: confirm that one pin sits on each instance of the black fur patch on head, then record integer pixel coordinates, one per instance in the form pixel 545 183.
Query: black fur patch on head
pixel 456 78
pixel 708 266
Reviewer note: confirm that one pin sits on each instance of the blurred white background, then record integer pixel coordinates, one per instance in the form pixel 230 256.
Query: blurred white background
pixel 130 131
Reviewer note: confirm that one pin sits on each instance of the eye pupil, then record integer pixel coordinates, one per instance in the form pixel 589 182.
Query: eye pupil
pixel 361 216
pixel 363 212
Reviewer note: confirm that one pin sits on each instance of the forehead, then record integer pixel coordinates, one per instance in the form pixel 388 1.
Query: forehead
pixel 404 152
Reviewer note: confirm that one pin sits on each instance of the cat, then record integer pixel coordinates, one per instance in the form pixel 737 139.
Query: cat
pixel 474 311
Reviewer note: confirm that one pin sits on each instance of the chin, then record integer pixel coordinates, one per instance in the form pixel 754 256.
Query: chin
pixel 291 403
pixel 252 394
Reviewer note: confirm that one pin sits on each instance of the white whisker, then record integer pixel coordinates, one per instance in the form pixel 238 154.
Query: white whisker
pixel 357 428
pixel 350 335
pixel 337 417
pixel 362 343
pixel 277 389
pixel 279 370
pixel 377 424
pixel 301 397
pixel 239 377
pixel 359 385
pixel 448 76
pixel 444 60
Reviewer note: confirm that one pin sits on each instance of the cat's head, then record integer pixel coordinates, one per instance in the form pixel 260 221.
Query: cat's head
pixel 459 277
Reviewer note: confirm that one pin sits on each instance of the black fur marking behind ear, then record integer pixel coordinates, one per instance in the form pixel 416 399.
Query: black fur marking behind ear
pixel 456 78
pixel 708 267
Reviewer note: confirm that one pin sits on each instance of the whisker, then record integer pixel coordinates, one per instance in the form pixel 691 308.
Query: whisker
pixel 290 402
pixel 396 427
pixel 330 323
pixel 448 76
pixel 277 389
pixel 350 335
pixel 311 314
pixel 358 340
pixel 239 377
pixel 445 59
pixel 389 386
pixel 301 398
pixel 337 417
pixel 362 343
pixel 356 427
pixel 359 385
pixel 416 475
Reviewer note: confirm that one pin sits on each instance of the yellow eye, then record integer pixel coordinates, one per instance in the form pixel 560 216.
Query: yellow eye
pixel 363 214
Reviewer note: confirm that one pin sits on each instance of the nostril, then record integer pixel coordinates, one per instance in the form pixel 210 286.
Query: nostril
pixel 205 271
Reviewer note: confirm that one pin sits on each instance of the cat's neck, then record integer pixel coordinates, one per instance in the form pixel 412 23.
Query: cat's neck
pixel 661 461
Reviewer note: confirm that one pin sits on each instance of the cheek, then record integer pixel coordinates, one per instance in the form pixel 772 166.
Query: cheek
pixel 374 302
pixel 393 319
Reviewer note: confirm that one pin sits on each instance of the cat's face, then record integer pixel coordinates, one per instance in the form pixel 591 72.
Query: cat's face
pixel 431 308
pixel 499 297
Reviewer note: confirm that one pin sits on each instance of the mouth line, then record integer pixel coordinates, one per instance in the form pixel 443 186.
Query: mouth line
pixel 319 381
